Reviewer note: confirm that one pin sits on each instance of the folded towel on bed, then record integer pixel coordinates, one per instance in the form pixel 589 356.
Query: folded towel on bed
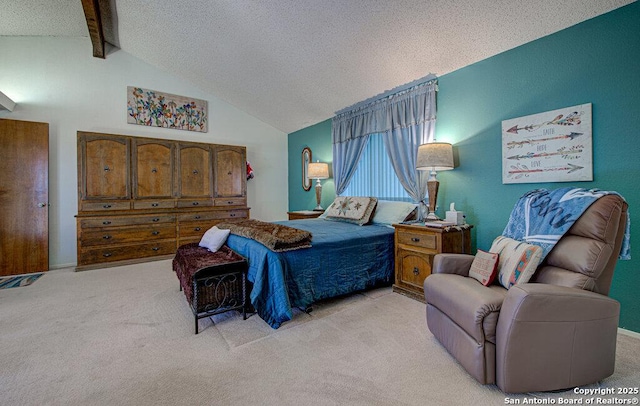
pixel 276 237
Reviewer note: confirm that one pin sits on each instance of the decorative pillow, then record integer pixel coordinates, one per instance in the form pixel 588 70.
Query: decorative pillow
pixel 357 210
pixel 390 212
pixel 484 267
pixel 214 238
pixel 518 260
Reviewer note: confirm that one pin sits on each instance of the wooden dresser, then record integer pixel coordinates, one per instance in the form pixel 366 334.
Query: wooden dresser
pixel 415 247
pixel 139 199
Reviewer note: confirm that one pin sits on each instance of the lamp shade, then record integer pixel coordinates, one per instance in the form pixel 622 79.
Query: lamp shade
pixel 436 156
pixel 318 170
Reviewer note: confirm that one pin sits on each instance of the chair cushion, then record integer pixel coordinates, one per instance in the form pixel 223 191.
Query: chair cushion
pixel 469 304
pixel 518 260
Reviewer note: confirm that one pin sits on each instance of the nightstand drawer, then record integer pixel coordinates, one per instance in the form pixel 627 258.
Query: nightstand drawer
pixel 418 240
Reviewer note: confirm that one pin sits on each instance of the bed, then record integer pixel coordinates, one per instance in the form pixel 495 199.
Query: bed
pixel 344 258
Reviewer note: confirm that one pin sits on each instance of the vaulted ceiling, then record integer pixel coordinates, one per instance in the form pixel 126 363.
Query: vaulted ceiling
pixel 293 63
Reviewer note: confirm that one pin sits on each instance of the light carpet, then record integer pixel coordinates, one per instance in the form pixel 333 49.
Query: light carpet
pixel 124 336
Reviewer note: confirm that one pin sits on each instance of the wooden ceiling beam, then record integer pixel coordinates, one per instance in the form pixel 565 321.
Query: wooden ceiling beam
pixel 94 23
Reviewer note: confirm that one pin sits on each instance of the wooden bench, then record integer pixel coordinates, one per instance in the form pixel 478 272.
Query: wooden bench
pixel 213 282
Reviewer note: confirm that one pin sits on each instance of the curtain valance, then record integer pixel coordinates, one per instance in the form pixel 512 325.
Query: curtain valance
pixel 392 110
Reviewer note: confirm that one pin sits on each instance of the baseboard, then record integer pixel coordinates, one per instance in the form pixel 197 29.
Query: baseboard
pixel 628 333
pixel 62 266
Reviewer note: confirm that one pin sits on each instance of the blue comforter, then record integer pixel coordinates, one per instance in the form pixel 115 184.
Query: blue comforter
pixel 344 258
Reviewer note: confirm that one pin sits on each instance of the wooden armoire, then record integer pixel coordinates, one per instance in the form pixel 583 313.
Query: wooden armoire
pixel 139 199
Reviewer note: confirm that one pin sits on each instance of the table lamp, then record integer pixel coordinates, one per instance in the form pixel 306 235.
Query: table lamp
pixel 318 170
pixel 433 157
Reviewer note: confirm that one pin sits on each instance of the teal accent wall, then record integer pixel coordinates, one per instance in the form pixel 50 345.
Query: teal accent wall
pixel 318 138
pixel 598 62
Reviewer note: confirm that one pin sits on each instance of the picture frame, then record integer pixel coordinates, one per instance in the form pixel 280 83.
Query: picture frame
pixel 306 159
pixel 554 146
pixel 165 110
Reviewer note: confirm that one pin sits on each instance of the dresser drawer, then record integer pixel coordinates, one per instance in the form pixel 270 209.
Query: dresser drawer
pixel 231 201
pixel 153 204
pixel 125 252
pixel 106 206
pixel 115 236
pixel 126 221
pixel 213 215
pixel 428 241
pixel 195 203
pixel 192 229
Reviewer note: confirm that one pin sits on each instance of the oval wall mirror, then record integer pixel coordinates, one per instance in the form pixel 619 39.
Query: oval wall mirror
pixel 306 158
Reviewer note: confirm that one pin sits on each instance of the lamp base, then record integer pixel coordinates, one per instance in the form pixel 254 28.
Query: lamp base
pixel 318 196
pixel 432 217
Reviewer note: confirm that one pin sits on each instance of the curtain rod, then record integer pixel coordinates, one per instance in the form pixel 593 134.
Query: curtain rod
pixel 398 89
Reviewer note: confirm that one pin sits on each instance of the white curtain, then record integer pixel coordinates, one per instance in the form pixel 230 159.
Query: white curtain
pixel 405 115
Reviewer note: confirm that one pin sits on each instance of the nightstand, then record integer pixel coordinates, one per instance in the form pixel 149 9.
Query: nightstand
pixel 304 214
pixel 415 247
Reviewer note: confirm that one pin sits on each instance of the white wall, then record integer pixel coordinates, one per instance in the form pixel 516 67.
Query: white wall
pixel 58 81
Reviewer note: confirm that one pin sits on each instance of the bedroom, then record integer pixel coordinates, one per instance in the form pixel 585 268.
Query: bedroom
pixel 593 62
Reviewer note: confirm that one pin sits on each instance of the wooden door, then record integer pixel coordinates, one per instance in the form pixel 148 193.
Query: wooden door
pixel 194 169
pixel 104 166
pixel 24 197
pixel 230 171
pixel 152 169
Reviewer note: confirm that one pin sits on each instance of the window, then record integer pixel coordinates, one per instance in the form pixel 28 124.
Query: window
pixel 374 175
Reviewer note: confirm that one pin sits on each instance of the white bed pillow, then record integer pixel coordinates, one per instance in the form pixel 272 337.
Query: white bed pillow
pixel 392 212
pixel 214 238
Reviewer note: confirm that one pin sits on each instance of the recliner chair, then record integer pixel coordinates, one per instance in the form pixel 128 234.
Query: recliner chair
pixel 556 332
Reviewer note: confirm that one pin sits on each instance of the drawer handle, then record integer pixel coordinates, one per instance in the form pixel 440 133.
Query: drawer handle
pixel 106 169
pixel 195 203
pixel 155 232
pixel 415 239
pixel 155 220
pixel 154 170
pixel 195 172
pixel 156 248
pixel 106 222
pixel 416 271
pixel 229 202
pixel 155 204
pixel 196 217
pixel 106 206
pixel 106 254
pixel 107 237
pixel 197 229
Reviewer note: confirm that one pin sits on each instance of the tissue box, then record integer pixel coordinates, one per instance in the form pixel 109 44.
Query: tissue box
pixel 456 217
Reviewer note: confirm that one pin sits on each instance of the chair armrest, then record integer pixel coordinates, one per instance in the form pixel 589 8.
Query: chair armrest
pixel 458 264
pixel 540 302
pixel 554 337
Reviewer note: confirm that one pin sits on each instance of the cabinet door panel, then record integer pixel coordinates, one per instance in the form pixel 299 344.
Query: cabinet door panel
pixel 230 171
pixel 415 268
pixel 106 167
pixel 195 171
pixel 152 169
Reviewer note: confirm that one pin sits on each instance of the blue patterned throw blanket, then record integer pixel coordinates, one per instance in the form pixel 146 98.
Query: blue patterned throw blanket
pixel 542 217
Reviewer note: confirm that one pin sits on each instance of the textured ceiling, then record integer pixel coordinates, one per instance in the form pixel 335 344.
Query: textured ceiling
pixel 293 63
